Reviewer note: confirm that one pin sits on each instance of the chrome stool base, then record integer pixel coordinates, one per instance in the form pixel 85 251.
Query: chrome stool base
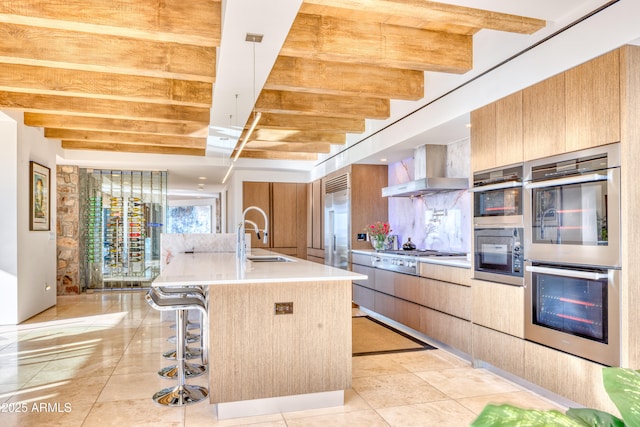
pixel 191 338
pixel 181 395
pixel 190 325
pixel 189 353
pixel 191 370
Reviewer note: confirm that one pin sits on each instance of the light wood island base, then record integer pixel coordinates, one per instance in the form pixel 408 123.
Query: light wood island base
pixel 261 362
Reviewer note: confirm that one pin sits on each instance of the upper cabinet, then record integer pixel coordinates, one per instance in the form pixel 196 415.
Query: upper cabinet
pixel 543 127
pixel 577 109
pixel 286 209
pixel 593 102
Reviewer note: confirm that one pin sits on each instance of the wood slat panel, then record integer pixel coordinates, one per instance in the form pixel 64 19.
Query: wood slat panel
pixel 319 123
pixel 133 148
pixel 106 124
pixel 336 78
pixel 276 155
pixel 300 147
pixel 284 135
pixel 406 12
pixel 126 138
pixel 330 39
pixel 23 44
pixel 275 101
pixel 100 107
pixel 192 22
pixel 48 80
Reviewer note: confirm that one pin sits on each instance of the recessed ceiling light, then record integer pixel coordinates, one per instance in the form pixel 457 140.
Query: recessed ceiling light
pixel 384 159
pixel 202 177
pixel 468 125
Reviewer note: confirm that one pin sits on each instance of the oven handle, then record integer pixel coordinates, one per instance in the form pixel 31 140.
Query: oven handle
pixel 591 177
pixel 567 273
pixel 498 186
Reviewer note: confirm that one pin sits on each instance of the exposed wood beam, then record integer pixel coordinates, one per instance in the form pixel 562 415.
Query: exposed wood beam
pixel 192 22
pixel 322 105
pixel 277 155
pixel 102 108
pixel 47 80
pixel 132 148
pixel 338 78
pixel 422 14
pixel 331 39
pixel 331 124
pixel 300 147
pixel 107 124
pixel 96 52
pixel 126 138
pixel 289 135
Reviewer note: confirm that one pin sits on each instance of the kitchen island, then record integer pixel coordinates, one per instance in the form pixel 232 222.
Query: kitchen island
pixel 279 330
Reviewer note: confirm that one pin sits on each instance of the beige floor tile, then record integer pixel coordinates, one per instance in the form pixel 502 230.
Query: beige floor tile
pixel 352 402
pixel 80 391
pixel 367 418
pixel 76 367
pixel 382 364
pixel 428 360
pixel 522 399
pixel 447 413
pixel 133 386
pixel 204 414
pixel 37 415
pixel 150 363
pixel 133 412
pixel 467 382
pixel 395 390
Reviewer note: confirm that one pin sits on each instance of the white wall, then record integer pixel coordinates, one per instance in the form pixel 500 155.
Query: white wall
pixel 27 258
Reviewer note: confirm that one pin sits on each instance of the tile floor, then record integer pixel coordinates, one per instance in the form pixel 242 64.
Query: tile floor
pixel 92 359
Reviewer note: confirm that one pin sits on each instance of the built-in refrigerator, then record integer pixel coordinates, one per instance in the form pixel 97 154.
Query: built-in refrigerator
pixel 337 227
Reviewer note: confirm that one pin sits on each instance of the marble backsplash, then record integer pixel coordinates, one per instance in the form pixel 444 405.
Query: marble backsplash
pixel 438 221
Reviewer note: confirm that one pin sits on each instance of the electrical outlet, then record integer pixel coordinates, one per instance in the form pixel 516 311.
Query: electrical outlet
pixel 284 308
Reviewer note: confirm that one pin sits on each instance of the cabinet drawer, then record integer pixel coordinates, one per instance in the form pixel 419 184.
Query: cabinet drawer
pixel 500 350
pixel 370 281
pixel 361 259
pixel 499 307
pixel 458 275
pixel 363 296
pixel 446 297
pixel 447 329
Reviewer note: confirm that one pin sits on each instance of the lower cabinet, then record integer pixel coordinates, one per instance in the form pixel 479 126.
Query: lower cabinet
pixel 500 350
pixel 499 307
pixel 364 297
pixel 450 330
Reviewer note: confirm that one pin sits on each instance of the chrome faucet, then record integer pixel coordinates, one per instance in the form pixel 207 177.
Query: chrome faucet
pixel 241 244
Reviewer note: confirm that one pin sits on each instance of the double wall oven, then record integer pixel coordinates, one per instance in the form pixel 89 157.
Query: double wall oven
pixel 573 263
pixel 498 225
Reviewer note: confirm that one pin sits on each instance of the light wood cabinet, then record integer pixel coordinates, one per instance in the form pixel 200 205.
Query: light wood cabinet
pixel 363 296
pixel 407 313
pixel 285 206
pixel 483 138
pixel 446 297
pixel 500 350
pixel 593 102
pixel 367 203
pixel 576 379
pixel 445 273
pixel 509 130
pixel 543 126
pixel 315 213
pixel 370 281
pixel 499 307
pixel 450 330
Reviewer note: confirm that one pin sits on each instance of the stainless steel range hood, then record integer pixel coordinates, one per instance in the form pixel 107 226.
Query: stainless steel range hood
pixel 430 163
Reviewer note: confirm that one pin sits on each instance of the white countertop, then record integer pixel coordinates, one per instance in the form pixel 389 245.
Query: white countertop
pixel 452 261
pixel 218 268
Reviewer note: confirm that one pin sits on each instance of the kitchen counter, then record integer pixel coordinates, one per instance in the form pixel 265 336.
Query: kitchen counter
pixel 452 261
pixel 215 268
pixel 279 332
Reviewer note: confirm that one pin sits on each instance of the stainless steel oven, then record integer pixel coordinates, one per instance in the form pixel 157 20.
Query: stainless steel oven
pixel 497 196
pixel 574 309
pixel 498 255
pixel 572 207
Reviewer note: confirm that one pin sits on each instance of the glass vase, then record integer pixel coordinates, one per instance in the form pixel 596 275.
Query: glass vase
pixel 378 243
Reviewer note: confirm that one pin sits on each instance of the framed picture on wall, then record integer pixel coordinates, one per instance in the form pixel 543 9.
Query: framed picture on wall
pixel 39 197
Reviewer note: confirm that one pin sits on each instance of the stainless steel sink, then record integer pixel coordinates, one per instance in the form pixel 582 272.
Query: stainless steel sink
pixel 268 258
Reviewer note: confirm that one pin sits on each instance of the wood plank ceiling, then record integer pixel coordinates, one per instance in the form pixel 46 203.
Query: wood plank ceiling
pixel 137 75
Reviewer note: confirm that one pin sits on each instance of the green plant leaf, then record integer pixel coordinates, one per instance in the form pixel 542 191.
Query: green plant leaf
pixel 623 387
pixel 512 416
pixel 594 417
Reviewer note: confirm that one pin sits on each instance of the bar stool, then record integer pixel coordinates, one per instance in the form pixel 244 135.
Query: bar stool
pixel 183 393
pixel 191 370
pixel 190 292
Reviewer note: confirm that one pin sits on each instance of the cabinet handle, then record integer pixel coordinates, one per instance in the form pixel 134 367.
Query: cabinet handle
pixel 589 275
pixel 499 186
pixel 592 177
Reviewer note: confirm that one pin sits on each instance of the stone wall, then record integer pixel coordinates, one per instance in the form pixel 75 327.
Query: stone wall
pixel 68 237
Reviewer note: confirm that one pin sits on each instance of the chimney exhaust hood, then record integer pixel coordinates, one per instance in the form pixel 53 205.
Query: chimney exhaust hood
pixel 430 163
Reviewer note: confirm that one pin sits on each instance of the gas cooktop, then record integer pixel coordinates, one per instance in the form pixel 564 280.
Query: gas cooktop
pixel 423 252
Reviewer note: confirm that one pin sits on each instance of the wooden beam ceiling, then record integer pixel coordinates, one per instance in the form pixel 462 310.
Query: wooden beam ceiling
pixel 138 75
